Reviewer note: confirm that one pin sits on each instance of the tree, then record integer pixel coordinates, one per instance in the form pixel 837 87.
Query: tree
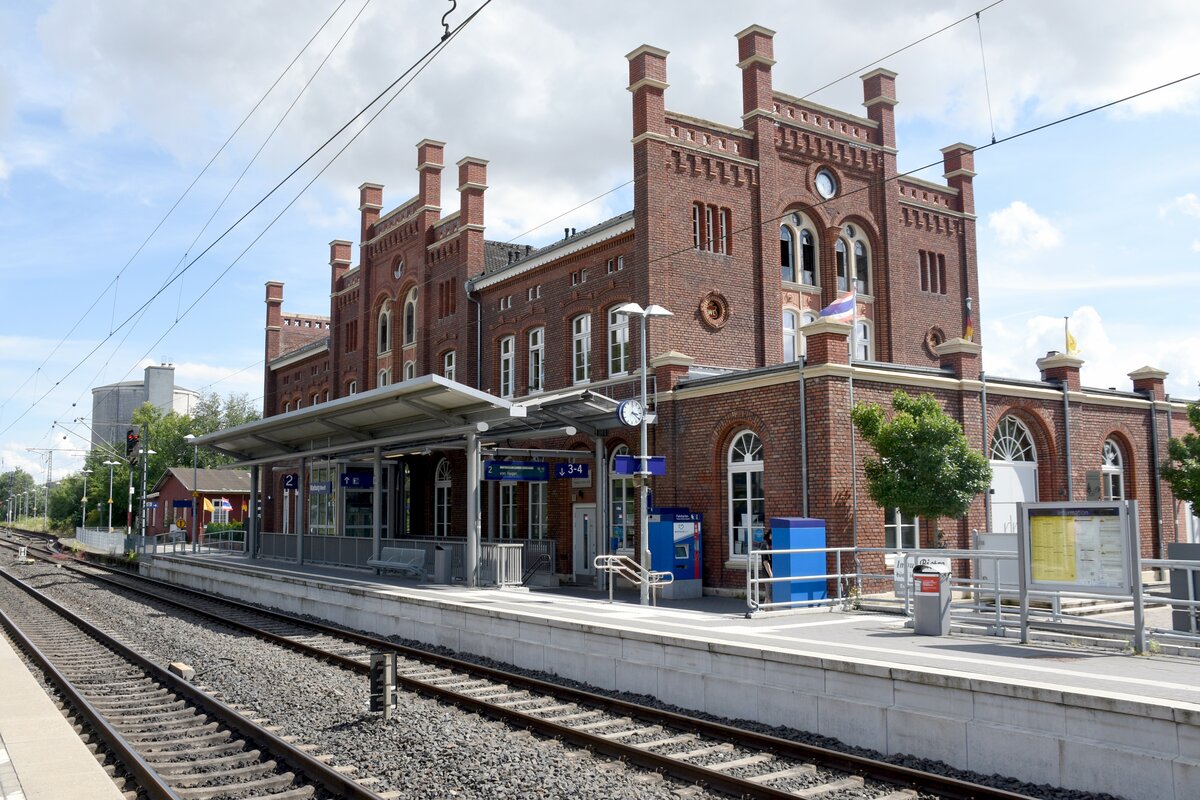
pixel 13 484
pixel 925 467
pixel 1182 468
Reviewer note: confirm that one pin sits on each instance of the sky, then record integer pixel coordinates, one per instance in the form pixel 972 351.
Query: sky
pixel 121 245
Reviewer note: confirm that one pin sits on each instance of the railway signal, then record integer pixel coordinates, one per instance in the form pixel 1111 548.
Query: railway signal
pixel 131 442
pixel 383 684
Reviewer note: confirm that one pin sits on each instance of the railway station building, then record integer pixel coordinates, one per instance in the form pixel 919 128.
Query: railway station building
pixel 442 351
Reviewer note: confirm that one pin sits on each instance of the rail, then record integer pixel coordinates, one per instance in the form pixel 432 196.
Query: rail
pixel 542 560
pixel 625 567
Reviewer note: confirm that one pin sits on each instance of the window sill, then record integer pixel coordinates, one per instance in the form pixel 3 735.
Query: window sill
pixel 801 287
pixel 738 562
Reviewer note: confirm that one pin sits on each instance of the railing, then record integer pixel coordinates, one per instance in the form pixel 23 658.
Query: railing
pixel 539 564
pixel 625 567
pixel 176 542
pixel 500 564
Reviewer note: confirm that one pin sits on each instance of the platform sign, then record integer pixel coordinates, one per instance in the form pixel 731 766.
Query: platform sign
pixel 291 481
pixel 1077 546
pixel 628 465
pixel 181 504
pixel 573 469
pixel 151 504
pixel 320 487
pixel 358 480
pixel 516 471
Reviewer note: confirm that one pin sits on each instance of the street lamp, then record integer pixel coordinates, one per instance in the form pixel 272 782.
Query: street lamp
pixel 191 439
pixel 83 500
pixel 110 465
pixel 634 310
pixel 145 454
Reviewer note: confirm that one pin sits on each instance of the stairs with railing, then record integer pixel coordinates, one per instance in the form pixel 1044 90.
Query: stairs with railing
pixel 625 567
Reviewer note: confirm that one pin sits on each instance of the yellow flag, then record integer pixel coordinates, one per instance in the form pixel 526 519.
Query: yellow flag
pixel 1072 345
pixel 208 506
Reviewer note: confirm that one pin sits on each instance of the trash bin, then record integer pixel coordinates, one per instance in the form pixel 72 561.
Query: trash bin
pixel 441 564
pixel 1181 616
pixel 931 600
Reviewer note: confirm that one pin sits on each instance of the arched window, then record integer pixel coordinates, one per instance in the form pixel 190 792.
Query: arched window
pixel 442 485
pixel 1012 441
pixel 1112 472
pixel 622 516
pixel 862 269
pixel 581 349
pixel 384 328
pixel 537 359
pixel 508 364
pixel 410 370
pixel 842 259
pixel 410 317
pixel 448 369
pixel 352 388
pixel 746 506
pixel 385 377
pixel 808 258
pixel 787 254
pixel 791 335
pixel 863 348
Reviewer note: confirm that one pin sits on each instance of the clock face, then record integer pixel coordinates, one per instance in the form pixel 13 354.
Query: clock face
pixel 630 412
pixel 826 184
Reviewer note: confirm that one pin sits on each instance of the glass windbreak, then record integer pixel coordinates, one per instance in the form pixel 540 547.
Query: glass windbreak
pixel 322 505
pixel 360 502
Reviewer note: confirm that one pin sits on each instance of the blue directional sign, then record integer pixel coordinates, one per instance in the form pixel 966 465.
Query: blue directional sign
pixel 516 471
pixel 572 469
pixel 628 465
pixel 181 504
pixel 320 487
pixel 358 480
pixel 291 480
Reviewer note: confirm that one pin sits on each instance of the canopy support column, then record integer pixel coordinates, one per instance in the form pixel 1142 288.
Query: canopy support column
pixel 473 516
pixel 252 519
pixel 600 482
pixel 301 494
pixel 377 505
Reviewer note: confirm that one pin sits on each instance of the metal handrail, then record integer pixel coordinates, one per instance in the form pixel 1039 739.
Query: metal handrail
pixel 542 560
pixel 625 567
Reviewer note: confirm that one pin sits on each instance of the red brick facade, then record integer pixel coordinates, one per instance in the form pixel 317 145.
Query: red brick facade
pixel 704 240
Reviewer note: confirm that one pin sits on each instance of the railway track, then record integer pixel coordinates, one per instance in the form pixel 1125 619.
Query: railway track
pixel 173 739
pixel 716 756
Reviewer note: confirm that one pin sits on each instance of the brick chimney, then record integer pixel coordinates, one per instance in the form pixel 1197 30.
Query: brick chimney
pixel 826 343
pixel 430 154
pixel 472 183
pixel 961 356
pixel 879 96
pixel 1061 367
pixel 1151 381
pixel 370 203
pixel 756 56
pixel 339 262
pixel 274 317
pixel 648 83
pixel 958 163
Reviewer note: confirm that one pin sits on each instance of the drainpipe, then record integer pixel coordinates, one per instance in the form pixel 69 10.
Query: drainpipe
pixel 469 287
pixel 1158 518
pixel 1067 436
pixel 987 497
pixel 1175 503
pixel 803 442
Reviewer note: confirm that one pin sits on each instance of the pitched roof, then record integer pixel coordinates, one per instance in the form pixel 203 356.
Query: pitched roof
pixel 496 254
pixel 209 481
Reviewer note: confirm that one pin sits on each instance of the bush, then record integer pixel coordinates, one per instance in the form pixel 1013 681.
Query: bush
pixel 220 527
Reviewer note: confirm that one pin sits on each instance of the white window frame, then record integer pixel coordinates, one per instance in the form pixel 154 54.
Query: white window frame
pixel 352 388
pixel 539 509
pixel 383 329
pixel 806 318
pixel 791 335
pixel 508 364
pixel 448 366
pixel 864 347
pixel 788 241
pixel 443 494
pixel 740 468
pixel 1112 471
pixel 410 318
pixel 622 498
pixel 901 532
pixel 508 510
pixel 385 377
pixel 581 349
pixel 537 359
pixel 618 342
pixel 410 370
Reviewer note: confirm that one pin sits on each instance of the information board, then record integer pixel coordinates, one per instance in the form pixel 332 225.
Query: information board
pixel 1082 546
pixel 516 471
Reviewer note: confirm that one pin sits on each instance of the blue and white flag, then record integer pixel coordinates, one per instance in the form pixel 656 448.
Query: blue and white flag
pixel 841 310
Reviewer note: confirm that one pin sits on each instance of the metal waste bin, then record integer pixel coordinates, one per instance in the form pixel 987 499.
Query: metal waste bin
pixel 931 600
pixel 441 564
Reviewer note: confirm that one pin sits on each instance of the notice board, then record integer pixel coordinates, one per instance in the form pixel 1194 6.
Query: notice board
pixel 1086 546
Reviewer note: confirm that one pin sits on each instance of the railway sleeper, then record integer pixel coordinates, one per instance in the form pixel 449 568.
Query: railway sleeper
pixel 814 792
pixel 726 766
pixel 158 745
pixel 182 711
pixel 784 774
pixel 299 793
pixel 185 754
pixel 225 776
pixel 169 768
pixel 680 739
pixel 279 781
pixel 163 726
pixel 703 751
pixel 114 701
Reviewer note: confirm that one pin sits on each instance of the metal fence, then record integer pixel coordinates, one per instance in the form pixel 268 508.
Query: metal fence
pixel 104 540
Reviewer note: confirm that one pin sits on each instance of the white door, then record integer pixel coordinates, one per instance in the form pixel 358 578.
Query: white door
pixel 585 535
pixel 1012 482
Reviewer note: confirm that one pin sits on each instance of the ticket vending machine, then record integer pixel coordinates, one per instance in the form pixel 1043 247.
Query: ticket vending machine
pixel 675 547
pixel 798 533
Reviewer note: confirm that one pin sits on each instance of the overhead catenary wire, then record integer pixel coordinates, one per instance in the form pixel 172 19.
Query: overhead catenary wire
pixel 417 65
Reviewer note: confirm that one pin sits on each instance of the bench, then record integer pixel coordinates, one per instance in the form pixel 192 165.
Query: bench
pixel 409 560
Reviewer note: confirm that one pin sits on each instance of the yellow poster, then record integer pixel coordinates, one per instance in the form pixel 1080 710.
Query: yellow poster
pixel 1052 549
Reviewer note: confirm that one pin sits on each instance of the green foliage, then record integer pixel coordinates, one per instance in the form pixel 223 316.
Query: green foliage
pixel 217 527
pixel 13 484
pixel 925 465
pixel 1182 467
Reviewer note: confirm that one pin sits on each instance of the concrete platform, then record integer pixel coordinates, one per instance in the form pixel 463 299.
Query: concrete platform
pixel 41 756
pixel 1088 720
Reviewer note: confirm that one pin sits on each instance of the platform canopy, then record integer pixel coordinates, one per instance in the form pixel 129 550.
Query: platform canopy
pixel 428 411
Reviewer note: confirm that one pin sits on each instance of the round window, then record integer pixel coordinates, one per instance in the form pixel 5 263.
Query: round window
pixel 826 184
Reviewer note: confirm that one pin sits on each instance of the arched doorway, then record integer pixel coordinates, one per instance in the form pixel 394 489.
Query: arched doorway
pixel 1014 472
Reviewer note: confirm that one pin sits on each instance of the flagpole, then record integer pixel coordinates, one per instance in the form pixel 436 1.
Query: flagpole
pixel 1066 336
pixel 853 457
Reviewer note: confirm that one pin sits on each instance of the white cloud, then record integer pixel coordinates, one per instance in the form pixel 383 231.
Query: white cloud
pixel 1196 246
pixel 5 170
pixel 1188 204
pixel 1023 229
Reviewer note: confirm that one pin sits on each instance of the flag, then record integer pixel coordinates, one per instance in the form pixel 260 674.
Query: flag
pixel 245 507
pixel 208 506
pixel 844 309
pixel 223 503
pixel 1072 345
pixel 969 328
